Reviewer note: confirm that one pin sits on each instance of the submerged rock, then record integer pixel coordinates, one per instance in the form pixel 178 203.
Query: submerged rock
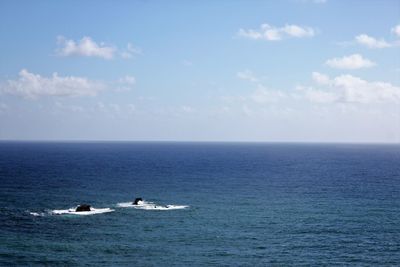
pixel 136 202
pixel 83 207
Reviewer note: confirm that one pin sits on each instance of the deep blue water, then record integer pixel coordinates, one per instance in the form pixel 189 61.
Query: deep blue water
pixel 250 204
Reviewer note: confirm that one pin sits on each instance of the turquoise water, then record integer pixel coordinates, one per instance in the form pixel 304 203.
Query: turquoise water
pixel 247 204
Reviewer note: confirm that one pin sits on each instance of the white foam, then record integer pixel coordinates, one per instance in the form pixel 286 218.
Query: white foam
pixel 73 211
pixel 167 207
pixel 144 205
pixel 126 205
pixel 36 214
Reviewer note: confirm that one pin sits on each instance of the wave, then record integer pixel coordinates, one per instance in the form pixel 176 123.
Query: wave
pixel 72 211
pixel 37 214
pixel 145 205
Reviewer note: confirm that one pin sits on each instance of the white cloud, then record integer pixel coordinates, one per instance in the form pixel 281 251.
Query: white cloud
pixel 129 80
pixel 130 51
pixel 125 83
pixel 350 89
pixel 247 75
pixel 371 42
pixel 396 30
pixel 320 78
pixel 32 85
pixel 316 95
pixel 264 95
pixel 114 110
pixel 355 61
pixel 297 31
pixel 109 108
pixel 271 33
pixel 84 47
pixel 340 89
pixel 261 95
pixel 69 108
pixel 187 109
pixel 355 89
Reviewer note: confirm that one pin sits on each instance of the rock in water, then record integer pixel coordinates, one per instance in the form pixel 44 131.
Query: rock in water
pixel 83 207
pixel 136 202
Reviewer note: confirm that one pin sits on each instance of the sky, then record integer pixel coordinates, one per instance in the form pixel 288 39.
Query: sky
pixel 258 71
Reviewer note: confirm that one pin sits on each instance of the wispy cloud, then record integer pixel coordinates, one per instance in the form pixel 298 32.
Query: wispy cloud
pixel 30 85
pixel 355 61
pixel 316 95
pixel 125 83
pixel 396 30
pixel 187 109
pixel 84 47
pixel 350 89
pixel 130 51
pixel 87 47
pixel 114 110
pixel 264 95
pixel 320 78
pixel 33 86
pixel 247 75
pixel 127 79
pixel 69 108
pixel 371 42
pixel 342 89
pixel 272 33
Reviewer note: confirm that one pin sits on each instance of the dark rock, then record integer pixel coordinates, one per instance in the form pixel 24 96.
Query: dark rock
pixel 83 207
pixel 136 202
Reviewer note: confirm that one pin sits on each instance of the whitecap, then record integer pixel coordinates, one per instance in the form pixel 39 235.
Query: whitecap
pixel 167 207
pixel 73 211
pixel 145 205
pixel 37 214
pixel 126 205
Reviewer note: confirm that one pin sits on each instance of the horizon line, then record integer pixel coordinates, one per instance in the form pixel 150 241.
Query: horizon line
pixel 192 141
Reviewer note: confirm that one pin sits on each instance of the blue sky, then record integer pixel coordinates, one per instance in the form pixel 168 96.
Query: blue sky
pixel 294 70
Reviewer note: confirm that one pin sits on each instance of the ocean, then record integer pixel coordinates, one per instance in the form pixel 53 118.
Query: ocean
pixel 205 204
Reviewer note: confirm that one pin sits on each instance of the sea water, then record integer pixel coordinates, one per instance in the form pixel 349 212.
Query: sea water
pixel 221 204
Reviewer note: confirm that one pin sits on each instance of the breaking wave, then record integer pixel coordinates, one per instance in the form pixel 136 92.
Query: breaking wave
pixel 72 211
pixel 37 214
pixel 145 205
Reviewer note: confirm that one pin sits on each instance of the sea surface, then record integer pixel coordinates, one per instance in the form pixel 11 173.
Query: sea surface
pixel 229 204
